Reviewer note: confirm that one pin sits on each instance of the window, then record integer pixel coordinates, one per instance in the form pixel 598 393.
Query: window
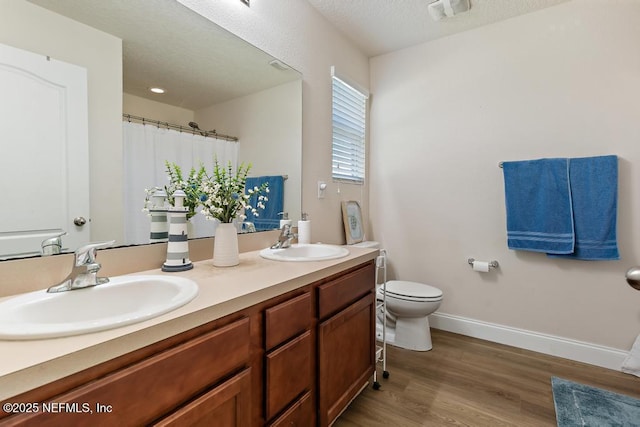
pixel 349 125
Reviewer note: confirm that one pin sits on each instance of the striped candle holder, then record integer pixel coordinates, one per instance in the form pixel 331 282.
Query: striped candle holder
pixel 178 246
pixel 158 212
pixel 159 226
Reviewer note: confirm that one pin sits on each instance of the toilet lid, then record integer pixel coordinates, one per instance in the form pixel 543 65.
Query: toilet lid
pixel 412 289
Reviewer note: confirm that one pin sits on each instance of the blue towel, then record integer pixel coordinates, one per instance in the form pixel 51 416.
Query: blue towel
pixel 539 208
pixel 268 218
pixel 594 191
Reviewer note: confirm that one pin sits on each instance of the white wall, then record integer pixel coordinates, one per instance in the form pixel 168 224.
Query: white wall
pixel 293 31
pixel 265 123
pixel 142 107
pixel 23 25
pixel 564 81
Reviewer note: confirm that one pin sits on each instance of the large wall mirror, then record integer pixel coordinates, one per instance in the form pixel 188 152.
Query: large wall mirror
pixel 212 79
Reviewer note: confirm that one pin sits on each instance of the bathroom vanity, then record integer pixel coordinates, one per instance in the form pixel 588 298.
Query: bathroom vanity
pixel 264 343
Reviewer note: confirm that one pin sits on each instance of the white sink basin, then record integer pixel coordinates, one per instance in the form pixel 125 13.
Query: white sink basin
pixel 122 301
pixel 305 252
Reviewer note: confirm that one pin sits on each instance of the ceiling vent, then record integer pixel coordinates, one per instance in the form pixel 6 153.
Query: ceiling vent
pixel 447 8
pixel 279 65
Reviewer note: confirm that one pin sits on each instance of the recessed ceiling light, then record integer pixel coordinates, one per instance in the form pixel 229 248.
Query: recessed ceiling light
pixel 156 90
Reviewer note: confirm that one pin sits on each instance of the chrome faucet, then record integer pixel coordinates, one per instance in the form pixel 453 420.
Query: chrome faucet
pixel 52 245
pixel 248 227
pixel 85 269
pixel 285 238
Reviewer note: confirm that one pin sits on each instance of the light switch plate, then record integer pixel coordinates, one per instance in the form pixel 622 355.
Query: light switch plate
pixel 322 186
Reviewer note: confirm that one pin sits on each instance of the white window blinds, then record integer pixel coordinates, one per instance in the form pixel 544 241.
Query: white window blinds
pixel 349 124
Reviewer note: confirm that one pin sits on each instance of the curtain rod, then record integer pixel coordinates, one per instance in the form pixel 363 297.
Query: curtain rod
pixel 285 177
pixel 205 133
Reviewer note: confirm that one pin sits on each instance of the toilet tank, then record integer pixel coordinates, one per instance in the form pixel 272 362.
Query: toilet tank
pixel 367 244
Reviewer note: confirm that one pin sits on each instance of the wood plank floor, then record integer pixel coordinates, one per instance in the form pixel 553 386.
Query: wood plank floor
pixel 470 382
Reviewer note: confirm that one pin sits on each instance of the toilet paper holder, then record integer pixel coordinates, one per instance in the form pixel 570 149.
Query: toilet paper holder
pixel 492 264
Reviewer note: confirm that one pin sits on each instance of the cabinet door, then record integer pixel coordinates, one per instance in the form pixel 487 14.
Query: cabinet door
pixel 346 356
pixel 287 319
pixel 299 415
pixel 227 405
pixel 289 372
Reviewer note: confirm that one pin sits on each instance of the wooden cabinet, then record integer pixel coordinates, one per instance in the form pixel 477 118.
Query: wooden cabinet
pixel 226 405
pixel 289 373
pixel 150 388
pixel 294 360
pixel 300 414
pixel 287 319
pixel 289 361
pixel 346 341
pixel 343 290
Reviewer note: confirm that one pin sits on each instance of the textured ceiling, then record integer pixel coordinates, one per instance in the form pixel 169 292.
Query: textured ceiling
pixel 200 64
pixel 382 26
pixel 170 46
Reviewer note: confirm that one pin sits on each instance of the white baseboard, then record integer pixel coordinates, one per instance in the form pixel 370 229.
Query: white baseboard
pixel 593 354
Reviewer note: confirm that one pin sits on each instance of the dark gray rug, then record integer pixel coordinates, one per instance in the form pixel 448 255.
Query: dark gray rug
pixel 582 405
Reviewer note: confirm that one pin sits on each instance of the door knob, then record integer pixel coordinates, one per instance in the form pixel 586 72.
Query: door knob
pixel 633 277
pixel 79 221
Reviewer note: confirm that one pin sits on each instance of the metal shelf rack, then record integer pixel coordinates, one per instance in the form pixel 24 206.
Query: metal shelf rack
pixel 381 347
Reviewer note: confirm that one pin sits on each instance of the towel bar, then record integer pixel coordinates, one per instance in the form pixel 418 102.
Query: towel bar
pixel 492 264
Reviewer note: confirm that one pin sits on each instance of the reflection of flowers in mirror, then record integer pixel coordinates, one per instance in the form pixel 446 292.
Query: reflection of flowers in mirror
pixel 191 186
pixel 223 195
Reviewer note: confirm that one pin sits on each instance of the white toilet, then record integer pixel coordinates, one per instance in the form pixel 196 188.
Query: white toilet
pixel 408 306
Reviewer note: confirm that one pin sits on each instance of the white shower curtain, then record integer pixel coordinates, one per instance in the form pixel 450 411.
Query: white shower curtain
pixel 146 148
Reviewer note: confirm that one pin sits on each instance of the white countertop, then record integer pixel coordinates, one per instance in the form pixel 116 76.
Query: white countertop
pixel 25 365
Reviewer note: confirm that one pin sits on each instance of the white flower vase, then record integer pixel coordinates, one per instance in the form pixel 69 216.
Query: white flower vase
pixel 225 245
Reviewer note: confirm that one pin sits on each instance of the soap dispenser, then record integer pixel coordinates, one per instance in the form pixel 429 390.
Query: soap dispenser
pixel 285 219
pixel 304 229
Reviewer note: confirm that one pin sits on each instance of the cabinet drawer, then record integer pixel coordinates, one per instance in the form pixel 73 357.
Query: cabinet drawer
pixel 299 415
pixel 289 373
pixel 142 392
pixel 227 405
pixel 339 293
pixel 287 320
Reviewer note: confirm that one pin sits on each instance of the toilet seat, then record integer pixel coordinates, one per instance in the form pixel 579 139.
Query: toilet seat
pixel 412 291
